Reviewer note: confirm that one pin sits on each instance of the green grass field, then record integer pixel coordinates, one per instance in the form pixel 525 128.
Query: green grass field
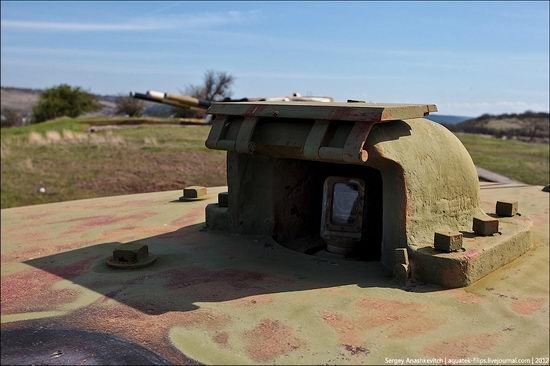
pixel 522 161
pixel 71 163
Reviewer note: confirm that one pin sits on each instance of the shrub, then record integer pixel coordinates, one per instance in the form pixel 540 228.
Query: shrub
pixel 64 100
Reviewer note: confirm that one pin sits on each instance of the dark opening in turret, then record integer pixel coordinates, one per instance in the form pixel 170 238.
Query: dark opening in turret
pixel 299 213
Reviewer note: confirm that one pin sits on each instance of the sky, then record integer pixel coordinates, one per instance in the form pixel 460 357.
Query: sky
pixel 469 58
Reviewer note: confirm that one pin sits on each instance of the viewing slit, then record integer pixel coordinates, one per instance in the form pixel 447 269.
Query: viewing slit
pixel 342 213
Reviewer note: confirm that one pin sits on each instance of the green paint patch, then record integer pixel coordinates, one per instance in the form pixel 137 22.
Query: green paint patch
pixel 202 346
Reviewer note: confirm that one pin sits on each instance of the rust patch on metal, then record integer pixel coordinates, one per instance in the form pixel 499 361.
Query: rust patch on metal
pixel 128 233
pixel 30 291
pixel 150 331
pixel 100 220
pixel 253 110
pixel 41 250
pixel 387 115
pixel 130 203
pixel 403 319
pixel 338 113
pixel 236 279
pixel 188 286
pixel 349 330
pixel 23 235
pixel 467 297
pixel 527 306
pixel 270 339
pixel 74 269
pixel 397 319
pixel 85 223
pixel 203 319
pixel 221 338
pixel 191 217
pixel 355 350
pixel 463 346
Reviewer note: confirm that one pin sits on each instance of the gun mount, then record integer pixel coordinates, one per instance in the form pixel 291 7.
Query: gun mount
pixel 376 181
pixel 185 101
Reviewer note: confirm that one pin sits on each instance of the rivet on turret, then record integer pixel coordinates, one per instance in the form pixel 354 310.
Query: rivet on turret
pixel 485 225
pixel 223 199
pixel 194 193
pixel 131 255
pixel 506 208
pixel 447 241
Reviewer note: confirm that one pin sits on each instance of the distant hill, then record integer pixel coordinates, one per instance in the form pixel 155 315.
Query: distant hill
pixel 446 119
pixel 529 126
pixel 19 99
pixel 22 100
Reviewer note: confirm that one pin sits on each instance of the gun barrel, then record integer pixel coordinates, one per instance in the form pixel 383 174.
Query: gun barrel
pixel 155 94
pixel 182 102
pixel 151 98
pixel 188 101
pixel 140 96
pixel 174 100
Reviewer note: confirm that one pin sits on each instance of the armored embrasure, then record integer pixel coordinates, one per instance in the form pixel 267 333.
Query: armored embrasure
pixel 360 180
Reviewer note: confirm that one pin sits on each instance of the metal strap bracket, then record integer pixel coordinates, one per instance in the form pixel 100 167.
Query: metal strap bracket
pixel 315 138
pixel 243 144
pixel 216 132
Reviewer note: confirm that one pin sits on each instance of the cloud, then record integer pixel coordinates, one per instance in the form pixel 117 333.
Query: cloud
pixel 67 26
pixel 188 21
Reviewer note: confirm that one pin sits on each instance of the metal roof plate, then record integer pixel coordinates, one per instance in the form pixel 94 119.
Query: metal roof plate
pixel 245 302
pixel 366 112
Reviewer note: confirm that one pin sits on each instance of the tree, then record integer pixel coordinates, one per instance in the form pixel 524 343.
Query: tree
pixel 216 86
pixel 64 100
pixel 129 106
